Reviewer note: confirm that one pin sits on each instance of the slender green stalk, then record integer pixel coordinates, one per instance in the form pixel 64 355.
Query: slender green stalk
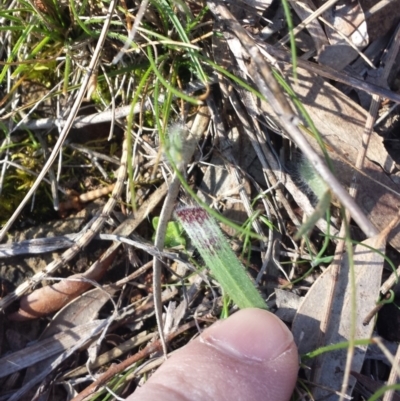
pixel 78 20
pixel 129 126
pixel 67 71
pixel 379 393
pixel 335 347
pixel 16 48
pixel 183 36
pixel 165 83
pixel 289 21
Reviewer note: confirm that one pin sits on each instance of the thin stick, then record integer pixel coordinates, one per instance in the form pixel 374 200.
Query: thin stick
pixel 393 376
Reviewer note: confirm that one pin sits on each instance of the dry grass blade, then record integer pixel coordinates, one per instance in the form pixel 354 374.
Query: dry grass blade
pixel 330 73
pixel 309 19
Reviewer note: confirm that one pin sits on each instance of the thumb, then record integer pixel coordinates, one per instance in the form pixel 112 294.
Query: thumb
pixel 249 356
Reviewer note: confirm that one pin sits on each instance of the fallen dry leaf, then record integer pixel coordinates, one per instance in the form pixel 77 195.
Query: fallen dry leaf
pixel 53 297
pixel 79 311
pixel 46 348
pixel 347 18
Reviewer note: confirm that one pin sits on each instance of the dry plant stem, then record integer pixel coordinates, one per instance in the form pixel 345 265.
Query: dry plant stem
pixel 394 372
pixel 76 201
pixel 199 126
pixel 140 243
pixel 375 310
pixel 96 193
pixel 390 282
pixel 137 273
pixel 393 376
pixel 74 110
pixel 82 121
pixel 272 91
pixel 111 355
pixel 80 243
pixel 132 33
pixel 115 369
pixel 385 351
pixel 165 216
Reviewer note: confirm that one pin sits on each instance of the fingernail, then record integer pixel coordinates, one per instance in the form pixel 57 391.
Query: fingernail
pixel 254 334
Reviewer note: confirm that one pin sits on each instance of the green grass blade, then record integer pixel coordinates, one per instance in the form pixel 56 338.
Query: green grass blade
pixel 209 240
pixel 184 38
pixel 289 22
pixel 169 87
pixel 16 48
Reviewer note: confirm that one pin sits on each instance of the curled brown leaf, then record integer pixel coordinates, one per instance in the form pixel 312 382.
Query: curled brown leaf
pixel 52 298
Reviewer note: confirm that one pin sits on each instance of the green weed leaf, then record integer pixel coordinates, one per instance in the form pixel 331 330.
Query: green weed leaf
pixel 174 235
